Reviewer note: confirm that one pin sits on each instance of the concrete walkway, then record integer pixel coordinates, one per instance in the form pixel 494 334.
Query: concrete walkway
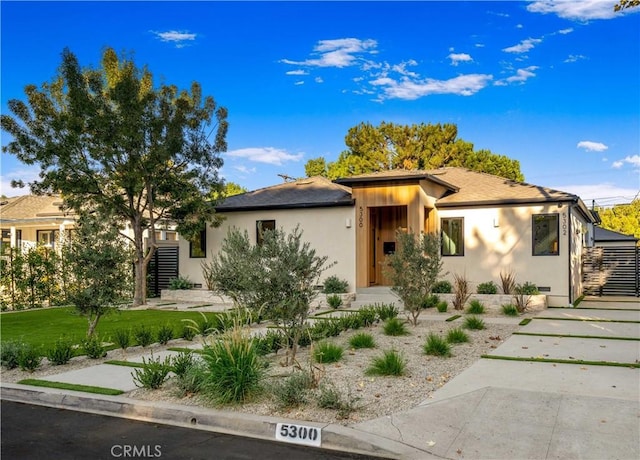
pixel 496 409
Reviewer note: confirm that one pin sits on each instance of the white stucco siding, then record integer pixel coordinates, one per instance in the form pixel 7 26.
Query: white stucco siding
pixel 330 231
pixel 501 239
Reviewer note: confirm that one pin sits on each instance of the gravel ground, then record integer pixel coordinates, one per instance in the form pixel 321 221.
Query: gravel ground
pixel 372 397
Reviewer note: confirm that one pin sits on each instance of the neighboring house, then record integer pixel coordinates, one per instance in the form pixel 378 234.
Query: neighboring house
pixel 30 220
pixel 487 224
pixel 608 238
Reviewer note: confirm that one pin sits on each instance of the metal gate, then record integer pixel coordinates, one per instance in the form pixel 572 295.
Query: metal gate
pixel 611 271
pixel 162 268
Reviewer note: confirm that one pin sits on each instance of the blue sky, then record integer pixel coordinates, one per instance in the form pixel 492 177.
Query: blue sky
pixel 553 84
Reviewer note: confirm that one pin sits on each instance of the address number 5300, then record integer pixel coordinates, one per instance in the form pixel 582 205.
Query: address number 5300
pixel 299 434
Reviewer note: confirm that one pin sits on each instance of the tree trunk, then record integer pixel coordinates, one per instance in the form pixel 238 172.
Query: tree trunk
pixel 141 263
pixel 93 323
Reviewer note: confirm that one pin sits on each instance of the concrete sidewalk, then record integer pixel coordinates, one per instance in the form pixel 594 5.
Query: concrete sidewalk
pixel 496 409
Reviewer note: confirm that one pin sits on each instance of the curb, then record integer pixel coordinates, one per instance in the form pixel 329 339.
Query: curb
pixel 334 436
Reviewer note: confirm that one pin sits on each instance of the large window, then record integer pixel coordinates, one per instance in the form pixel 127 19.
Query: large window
pixel 261 226
pixel 452 236
pixel 198 245
pixel 545 235
pixel 47 238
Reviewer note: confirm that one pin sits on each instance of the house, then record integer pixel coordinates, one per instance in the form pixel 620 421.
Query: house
pixel 608 238
pixel 487 225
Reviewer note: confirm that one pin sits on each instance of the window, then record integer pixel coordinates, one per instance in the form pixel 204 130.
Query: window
pixel 545 235
pixel 47 238
pixel 261 226
pixel 452 236
pixel 198 245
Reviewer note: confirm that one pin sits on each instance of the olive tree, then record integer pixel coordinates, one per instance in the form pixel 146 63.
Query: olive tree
pixel 276 278
pixel 414 269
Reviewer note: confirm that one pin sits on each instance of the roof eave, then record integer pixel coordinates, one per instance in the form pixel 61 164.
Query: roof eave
pixel 222 209
pixel 506 201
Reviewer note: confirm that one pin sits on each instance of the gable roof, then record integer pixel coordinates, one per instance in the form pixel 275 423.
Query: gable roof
pixel 311 192
pixel 602 235
pixel 33 208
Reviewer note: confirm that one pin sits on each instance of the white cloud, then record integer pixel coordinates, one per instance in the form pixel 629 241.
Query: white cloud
pixel 463 85
pixel 456 58
pixel 269 155
pixel 523 46
pixel 343 52
pixel 180 38
pixel 591 146
pixel 243 169
pixel 522 75
pixel 578 10
pixel 299 82
pixel 574 58
pixel 601 192
pixel 25 174
pixel 617 164
pixel 319 80
pixel 566 31
pixel 632 160
pixel 519 26
pixel 297 72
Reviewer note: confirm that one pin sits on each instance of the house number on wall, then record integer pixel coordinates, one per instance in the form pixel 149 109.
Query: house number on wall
pixel 360 216
pixel 564 223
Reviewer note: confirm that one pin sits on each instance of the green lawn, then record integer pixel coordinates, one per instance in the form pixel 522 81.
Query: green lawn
pixel 43 327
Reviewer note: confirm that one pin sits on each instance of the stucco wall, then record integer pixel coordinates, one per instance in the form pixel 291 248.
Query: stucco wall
pixel 326 229
pixel 499 239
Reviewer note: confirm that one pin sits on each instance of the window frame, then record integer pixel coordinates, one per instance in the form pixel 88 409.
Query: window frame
pixel 271 225
pixel 533 234
pixel 54 236
pixel 203 246
pixel 460 252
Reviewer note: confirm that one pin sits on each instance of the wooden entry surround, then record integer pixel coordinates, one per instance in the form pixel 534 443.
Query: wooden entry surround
pixel 383 206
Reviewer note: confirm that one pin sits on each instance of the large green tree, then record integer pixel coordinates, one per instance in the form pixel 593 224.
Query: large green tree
pixel 623 218
pixel 624 4
pixel 423 146
pixel 111 141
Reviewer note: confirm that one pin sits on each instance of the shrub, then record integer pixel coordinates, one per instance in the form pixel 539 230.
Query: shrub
pixel 153 373
pixel 367 316
pixel 233 368
pixel 457 335
pixel 61 352
pixel 395 327
pixel 29 358
pixel 325 328
pixel 334 300
pixel 487 288
pixel 192 380
pixel 442 306
pixel 188 333
pixel 10 352
pixel 143 335
pixel 390 363
pixel 330 397
pixel 93 347
pixel 351 321
pixel 442 287
pixel 362 340
pixel 475 307
pixel 510 310
pixel 473 322
pixel 122 338
pixel 271 342
pixel 436 346
pixel 327 352
pixel 204 326
pixel 165 333
pixel 460 291
pixel 335 285
pixel 181 282
pixel 507 282
pixel 294 390
pixel 182 362
pixel 386 311
pixel 431 301
pixel 522 295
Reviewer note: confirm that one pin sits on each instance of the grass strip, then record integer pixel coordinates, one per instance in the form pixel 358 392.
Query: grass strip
pixel 201 306
pixel 324 318
pixel 71 386
pixel 164 304
pixel 563 361
pixel 524 322
pixel 184 350
pixel 596 308
pixel 576 336
pixel 591 320
pixel 117 362
pixel 453 318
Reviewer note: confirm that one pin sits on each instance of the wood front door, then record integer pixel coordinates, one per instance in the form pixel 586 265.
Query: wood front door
pixel 384 221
